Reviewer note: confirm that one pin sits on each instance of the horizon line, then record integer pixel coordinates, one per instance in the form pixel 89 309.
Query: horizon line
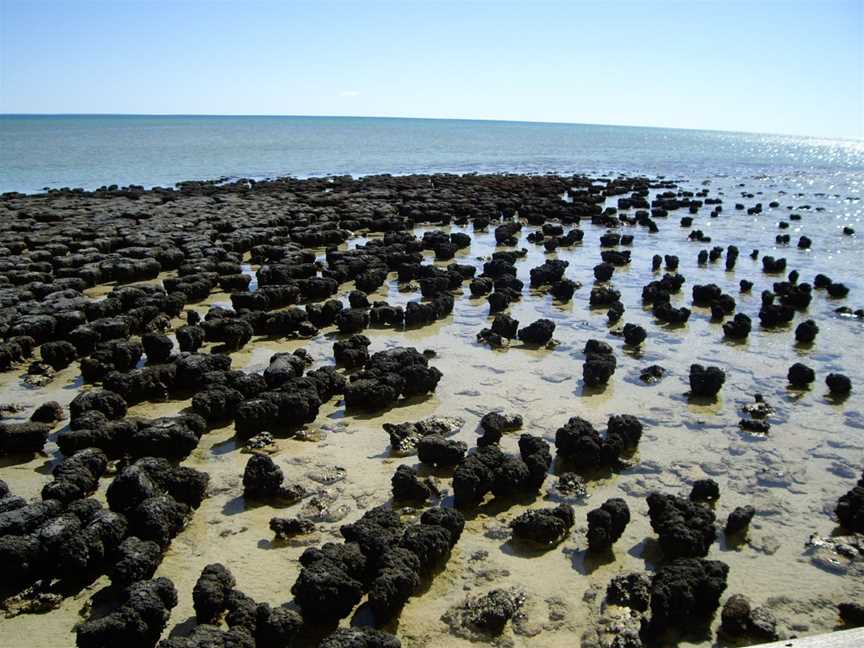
pixel 464 119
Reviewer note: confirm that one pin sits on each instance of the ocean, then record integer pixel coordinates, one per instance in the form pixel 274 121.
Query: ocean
pixel 39 151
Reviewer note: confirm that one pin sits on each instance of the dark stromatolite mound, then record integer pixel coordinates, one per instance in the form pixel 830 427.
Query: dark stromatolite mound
pixel 211 592
pixel 407 485
pixel 581 444
pixel 852 614
pixel 685 529
pixel 438 451
pixel 77 476
pixel 381 556
pixel 800 375
pixel 742 622
pixel 634 335
pixel 704 490
pixel 481 617
pixel 360 638
pixel 606 524
pixel 136 560
pixel 263 479
pixel 739 519
pixel 290 527
pixel 109 403
pixel 489 469
pixel 850 508
pixel 495 424
pixel 48 412
pixel 150 477
pixel 330 583
pixel 25 437
pixel 405 436
pixel 631 590
pixel 838 384
pixel 537 333
pixel 402 371
pixel 353 352
pixel 543 526
pixel 599 364
pixel 211 636
pixel 706 382
pixel 143 612
pixel 686 592
pixel 738 328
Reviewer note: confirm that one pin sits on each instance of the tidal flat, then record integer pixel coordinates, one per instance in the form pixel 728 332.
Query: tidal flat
pixel 177 302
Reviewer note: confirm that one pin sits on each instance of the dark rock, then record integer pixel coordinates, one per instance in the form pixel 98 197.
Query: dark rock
pixel 408 486
pixel 210 595
pixel 26 437
pixel 289 527
pixel 149 477
pixel 838 384
pixel 606 524
pixel 600 363
pixel 325 591
pixel 353 352
pixel 685 529
pixel 543 526
pixel 359 638
pixel 275 627
pixel 850 508
pixel 652 374
pixel 537 333
pixel 486 614
pixel 800 375
pixel 739 519
pixel 48 412
pixel 262 479
pixel 136 560
pixel 157 346
pixel 438 451
pixel 686 591
pixel 77 476
pixel 109 403
pixel 704 490
pixel 158 519
pixel 739 327
pixel 706 381
pixel 59 354
pixel 634 335
pixel 144 610
pixel 495 424
pixel 742 622
pixel 852 614
pixel 631 590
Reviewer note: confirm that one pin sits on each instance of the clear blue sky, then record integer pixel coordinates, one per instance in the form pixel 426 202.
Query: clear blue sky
pixel 779 66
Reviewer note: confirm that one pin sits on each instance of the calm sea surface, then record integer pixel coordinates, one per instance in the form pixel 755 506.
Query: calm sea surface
pixel 92 150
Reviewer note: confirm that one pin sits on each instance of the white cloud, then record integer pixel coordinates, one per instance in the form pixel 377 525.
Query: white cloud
pixel 349 93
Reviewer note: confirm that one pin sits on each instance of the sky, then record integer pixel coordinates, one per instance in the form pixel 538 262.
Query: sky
pixel 771 66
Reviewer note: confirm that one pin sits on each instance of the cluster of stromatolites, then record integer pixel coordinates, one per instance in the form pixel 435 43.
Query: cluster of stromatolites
pixel 144 342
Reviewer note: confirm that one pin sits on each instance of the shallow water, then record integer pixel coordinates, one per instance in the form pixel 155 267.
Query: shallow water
pixel 88 151
pixel 793 476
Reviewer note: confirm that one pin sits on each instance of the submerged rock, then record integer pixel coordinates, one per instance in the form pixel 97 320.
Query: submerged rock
pixel 484 615
pixel 740 621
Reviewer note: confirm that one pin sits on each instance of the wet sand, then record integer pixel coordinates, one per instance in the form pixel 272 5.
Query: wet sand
pixel 792 476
